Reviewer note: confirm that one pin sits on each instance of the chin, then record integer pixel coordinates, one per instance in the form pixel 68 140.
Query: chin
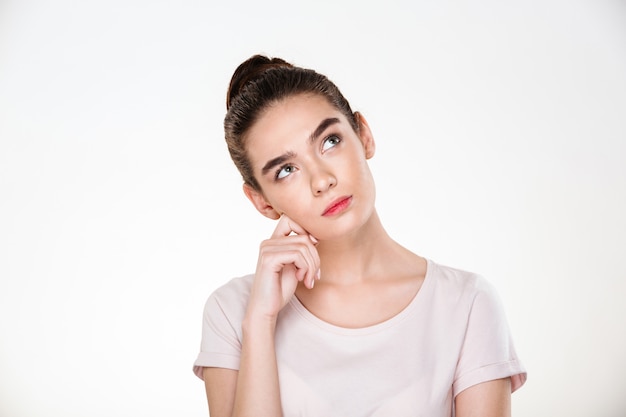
pixel 342 226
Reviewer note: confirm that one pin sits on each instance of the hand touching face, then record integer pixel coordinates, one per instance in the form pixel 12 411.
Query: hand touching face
pixel 288 257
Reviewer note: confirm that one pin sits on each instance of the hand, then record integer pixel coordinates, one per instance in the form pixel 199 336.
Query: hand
pixel 284 260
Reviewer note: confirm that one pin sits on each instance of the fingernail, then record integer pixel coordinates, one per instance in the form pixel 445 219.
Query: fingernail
pixel 312 283
pixel 315 241
pixel 317 274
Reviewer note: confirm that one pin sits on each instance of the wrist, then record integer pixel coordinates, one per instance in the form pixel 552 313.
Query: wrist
pixel 258 323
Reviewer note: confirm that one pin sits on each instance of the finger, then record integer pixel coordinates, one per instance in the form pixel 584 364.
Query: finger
pixel 291 243
pixel 286 225
pixel 307 250
pixel 284 228
pixel 279 261
pixel 312 257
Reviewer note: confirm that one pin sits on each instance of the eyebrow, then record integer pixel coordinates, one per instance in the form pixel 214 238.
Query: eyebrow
pixel 277 161
pixel 322 127
pixel 288 155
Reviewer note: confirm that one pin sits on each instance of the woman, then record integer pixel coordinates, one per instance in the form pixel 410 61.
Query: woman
pixel 339 319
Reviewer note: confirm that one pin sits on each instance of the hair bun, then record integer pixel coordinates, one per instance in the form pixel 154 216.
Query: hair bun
pixel 248 71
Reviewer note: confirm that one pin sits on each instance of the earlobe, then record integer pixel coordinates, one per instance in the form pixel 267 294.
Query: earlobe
pixel 260 203
pixel 365 135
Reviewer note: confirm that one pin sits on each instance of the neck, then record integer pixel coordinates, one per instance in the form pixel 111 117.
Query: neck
pixel 359 256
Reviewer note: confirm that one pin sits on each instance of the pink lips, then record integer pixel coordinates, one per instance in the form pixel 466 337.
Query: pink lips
pixel 337 206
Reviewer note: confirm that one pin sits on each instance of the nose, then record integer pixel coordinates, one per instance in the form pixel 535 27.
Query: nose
pixel 322 180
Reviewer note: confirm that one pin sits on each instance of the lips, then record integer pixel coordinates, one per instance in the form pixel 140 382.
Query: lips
pixel 337 206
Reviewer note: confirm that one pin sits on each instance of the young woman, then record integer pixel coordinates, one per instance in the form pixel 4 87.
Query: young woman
pixel 339 319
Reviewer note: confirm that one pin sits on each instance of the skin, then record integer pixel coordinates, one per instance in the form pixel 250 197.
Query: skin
pixel 306 254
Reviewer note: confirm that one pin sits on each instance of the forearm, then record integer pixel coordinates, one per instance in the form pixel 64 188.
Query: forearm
pixel 258 392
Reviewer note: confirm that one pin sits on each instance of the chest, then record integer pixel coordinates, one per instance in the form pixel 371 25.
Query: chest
pixel 405 368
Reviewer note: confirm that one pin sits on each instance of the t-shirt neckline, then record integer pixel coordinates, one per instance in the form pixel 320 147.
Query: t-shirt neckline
pixel 374 328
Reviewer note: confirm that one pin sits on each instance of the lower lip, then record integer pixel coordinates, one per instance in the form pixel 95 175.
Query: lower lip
pixel 338 208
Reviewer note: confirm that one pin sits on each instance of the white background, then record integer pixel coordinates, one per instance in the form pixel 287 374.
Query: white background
pixel 501 133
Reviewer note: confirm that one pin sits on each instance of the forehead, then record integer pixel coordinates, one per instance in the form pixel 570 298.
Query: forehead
pixel 286 125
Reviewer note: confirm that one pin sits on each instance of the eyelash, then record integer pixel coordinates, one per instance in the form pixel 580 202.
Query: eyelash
pixel 282 167
pixel 279 170
pixel 333 136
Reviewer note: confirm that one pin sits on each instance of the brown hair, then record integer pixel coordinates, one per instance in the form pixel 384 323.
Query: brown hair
pixel 260 82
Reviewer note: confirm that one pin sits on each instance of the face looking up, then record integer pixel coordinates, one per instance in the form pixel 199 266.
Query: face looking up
pixel 312 166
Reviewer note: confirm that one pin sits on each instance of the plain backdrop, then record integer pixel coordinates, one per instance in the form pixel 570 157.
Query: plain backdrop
pixel 501 134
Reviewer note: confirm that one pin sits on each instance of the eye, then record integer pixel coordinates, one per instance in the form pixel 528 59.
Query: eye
pixel 329 142
pixel 284 171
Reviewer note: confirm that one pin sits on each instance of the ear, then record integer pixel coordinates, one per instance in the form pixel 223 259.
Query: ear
pixel 365 135
pixel 260 203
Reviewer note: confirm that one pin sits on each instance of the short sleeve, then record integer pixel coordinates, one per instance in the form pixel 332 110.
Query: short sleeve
pixel 221 328
pixel 487 352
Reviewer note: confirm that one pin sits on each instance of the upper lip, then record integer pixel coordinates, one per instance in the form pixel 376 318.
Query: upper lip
pixel 335 202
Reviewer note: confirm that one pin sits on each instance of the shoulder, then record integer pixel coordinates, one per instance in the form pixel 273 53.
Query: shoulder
pixel 460 290
pixel 221 325
pixel 236 288
pixel 457 281
pixel 231 298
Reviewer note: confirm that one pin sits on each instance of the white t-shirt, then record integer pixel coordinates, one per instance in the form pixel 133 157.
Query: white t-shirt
pixel 452 335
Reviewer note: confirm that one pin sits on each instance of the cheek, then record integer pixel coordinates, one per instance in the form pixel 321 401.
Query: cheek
pixel 361 172
pixel 289 200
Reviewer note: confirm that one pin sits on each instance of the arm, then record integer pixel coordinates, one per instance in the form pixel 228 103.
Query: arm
pixel 254 389
pixel 488 399
pixel 284 260
pixel 220 384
